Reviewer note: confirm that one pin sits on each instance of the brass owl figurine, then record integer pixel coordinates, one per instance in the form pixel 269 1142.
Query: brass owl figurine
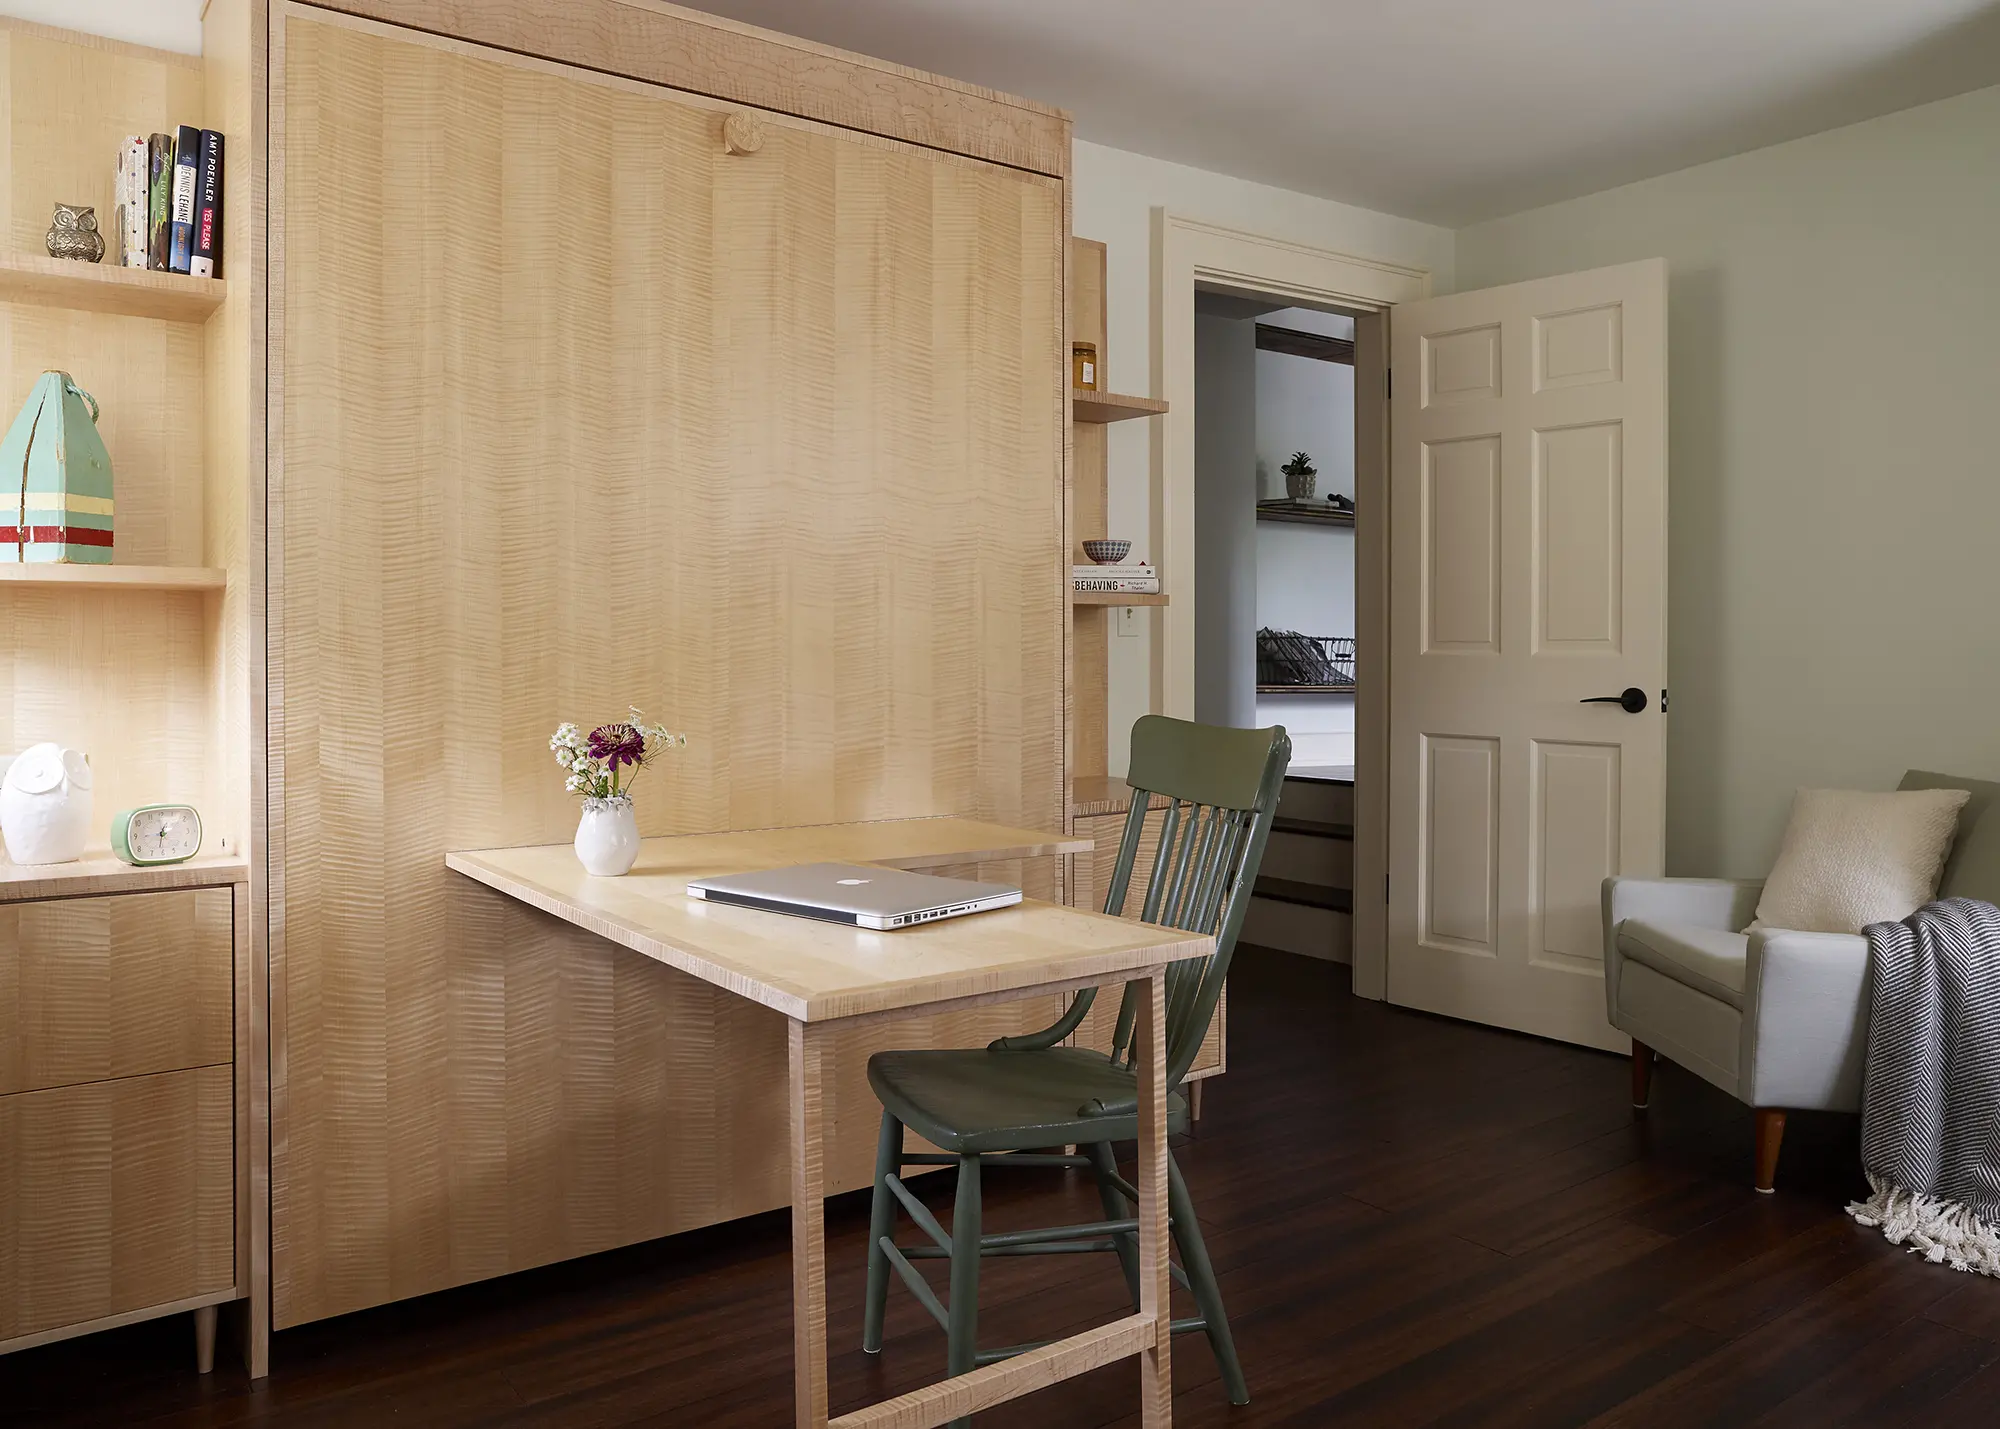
pixel 74 234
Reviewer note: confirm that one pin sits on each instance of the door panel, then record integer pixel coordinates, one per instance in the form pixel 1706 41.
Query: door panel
pixel 1528 575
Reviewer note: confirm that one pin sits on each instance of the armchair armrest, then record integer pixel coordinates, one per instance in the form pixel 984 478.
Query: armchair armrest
pixel 1805 1020
pixel 1705 902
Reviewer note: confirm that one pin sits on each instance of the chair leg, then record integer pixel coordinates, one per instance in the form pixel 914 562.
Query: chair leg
pixel 1770 1136
pixel 1201 1280
pixel 1642 1075
pixel 962 1314
pixel 1103 1165
pixel 881 1223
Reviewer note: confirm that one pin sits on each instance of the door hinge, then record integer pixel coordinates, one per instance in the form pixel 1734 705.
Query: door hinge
pixel 1389 383
pixel 1385 888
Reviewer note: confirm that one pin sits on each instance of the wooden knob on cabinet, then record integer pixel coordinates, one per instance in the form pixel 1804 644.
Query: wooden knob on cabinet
pixel 742 134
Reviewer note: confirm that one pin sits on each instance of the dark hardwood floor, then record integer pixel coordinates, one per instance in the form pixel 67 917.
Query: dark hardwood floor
pixel 1416 1222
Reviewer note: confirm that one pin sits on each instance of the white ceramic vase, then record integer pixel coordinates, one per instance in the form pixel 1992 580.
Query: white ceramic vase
pixel 45 805
pixel 607 836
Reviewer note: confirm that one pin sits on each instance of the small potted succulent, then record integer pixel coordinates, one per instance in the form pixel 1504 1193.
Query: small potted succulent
pixel 601 766
pixel 1300 476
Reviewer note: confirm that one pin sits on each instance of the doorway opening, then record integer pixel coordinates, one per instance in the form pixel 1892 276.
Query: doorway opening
pixel 1274 553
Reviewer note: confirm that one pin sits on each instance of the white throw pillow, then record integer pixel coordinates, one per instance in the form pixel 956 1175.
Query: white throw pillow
pixel 1851 858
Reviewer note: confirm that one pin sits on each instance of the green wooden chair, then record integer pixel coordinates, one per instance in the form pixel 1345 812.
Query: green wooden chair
pixel 994 1107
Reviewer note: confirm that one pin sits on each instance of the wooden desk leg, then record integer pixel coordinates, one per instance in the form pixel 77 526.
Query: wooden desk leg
pixel 1156 1374
pixel 808 1059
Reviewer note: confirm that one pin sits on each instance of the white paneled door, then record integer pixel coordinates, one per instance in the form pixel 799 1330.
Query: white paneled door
pixel 1528 640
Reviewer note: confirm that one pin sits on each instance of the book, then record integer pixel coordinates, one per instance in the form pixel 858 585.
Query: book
pixel 1134 585
pixel 1126 569
pixel 187 164
pixel 133 202
pixel 159 190
pixel 207 207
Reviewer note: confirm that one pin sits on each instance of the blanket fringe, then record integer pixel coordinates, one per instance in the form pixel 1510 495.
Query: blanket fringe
pixel 1942 1232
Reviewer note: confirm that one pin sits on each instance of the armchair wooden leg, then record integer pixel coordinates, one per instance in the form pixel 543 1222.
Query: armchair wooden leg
pixel 1642 1075
pixel 1770 1135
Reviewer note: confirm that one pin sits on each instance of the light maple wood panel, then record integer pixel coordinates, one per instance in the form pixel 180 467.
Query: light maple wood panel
pixel 1091 625
pixel 115 1196
pixel 97 988
pixel 121 675
pixel 1107 830
pixel 769 444
pixel 667 44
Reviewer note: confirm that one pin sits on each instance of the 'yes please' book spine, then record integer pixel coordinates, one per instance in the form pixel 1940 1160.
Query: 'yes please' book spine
pixel 207 207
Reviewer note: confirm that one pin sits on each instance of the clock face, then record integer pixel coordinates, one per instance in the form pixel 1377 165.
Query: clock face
pixel 165 834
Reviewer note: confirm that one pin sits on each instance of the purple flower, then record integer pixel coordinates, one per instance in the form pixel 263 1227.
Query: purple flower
pixel 617 744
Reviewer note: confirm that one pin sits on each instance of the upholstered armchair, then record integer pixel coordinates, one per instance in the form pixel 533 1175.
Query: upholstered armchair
pixel 1777 1019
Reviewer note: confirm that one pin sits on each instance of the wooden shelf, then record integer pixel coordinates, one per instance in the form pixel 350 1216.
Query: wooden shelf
pixel 1103 407
pixel 1304 513
pixel 116 577
pixel 1115 597
pixel 99 872
pixel 1091 794
pixel 1346 689
pixel 107 288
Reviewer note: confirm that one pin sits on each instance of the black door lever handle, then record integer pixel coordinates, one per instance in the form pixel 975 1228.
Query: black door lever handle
pixel 1633 701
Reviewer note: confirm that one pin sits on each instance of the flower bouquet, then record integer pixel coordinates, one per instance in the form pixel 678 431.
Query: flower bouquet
pixel 601 766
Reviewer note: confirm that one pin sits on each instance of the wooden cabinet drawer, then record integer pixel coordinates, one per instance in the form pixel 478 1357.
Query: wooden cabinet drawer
pixel 116 986
pixel 115 1196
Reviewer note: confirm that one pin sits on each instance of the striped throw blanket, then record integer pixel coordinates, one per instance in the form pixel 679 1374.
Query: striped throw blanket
pixel 1930 1112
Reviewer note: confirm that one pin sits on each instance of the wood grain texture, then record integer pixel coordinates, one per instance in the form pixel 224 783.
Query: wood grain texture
pixel 803 968
pixel 106 288
pixel 97 988
pixel 808 1065
pixel 117 577
pixel 1102 1019
pixel 705 54
pixel 809 512
pixel 114 1196
pixel 87 877
pixel 1156 1287
pixel 1099 408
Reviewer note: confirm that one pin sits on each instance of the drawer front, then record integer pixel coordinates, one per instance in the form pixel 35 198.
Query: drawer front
pixel 115 1196
pixel 1108 830
pixel 122 986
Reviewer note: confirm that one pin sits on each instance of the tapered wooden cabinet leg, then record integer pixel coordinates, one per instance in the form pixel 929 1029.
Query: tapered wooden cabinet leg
pixel 1194 1100
pixel 1642 1075
pixel 204 1339
pixel 1770 1136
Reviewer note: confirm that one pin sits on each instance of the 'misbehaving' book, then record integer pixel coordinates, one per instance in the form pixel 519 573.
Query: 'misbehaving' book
pixel 1125 578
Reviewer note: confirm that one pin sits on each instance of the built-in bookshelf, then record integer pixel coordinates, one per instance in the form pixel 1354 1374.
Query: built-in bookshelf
pixel 1116 597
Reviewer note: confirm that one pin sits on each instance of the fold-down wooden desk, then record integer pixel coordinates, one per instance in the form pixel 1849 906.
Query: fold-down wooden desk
pixel 824 975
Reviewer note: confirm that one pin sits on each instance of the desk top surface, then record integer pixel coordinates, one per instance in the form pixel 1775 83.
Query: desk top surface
pixel 818 972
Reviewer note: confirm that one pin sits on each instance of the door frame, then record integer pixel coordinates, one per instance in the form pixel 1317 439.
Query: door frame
pixel 1187 251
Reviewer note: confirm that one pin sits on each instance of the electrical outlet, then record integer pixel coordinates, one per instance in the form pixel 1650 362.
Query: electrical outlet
pixel 1128 620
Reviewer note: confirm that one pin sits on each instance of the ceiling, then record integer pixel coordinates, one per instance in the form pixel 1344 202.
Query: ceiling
pixel 1444 110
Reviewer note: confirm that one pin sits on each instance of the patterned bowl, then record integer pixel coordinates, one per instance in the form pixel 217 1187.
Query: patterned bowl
pixel 1107 552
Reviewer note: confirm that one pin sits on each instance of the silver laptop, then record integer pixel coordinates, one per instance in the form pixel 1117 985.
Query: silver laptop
pixel 881 898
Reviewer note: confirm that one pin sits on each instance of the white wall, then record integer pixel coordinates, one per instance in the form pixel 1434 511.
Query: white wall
pixel 1304 404
pixel 1114 194
pixel 164 24
pixel 1225 514
pixel 1835 532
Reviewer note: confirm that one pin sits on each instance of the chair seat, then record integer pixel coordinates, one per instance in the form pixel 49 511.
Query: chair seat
pixel 981 1100
pixel 1709 960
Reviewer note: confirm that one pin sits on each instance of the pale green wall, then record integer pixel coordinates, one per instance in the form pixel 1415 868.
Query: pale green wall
pixel 1834 327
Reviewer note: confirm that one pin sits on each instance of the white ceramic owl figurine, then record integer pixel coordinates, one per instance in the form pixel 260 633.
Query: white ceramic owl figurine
pixel 45 805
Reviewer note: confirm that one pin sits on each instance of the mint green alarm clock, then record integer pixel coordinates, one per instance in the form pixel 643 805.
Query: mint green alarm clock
pixel 153 834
